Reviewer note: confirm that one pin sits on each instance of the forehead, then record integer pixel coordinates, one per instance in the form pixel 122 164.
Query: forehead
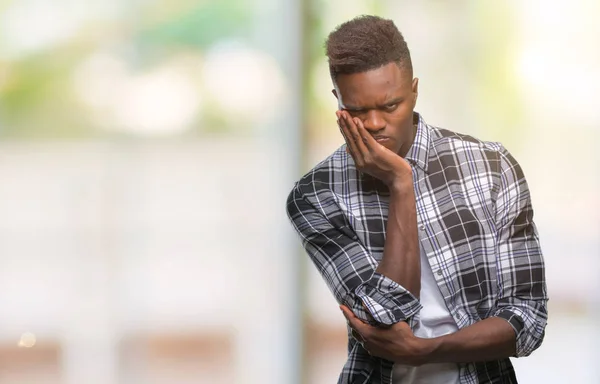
pixel 374 86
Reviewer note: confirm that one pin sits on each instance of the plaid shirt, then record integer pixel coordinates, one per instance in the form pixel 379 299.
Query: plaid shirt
pixel 475 224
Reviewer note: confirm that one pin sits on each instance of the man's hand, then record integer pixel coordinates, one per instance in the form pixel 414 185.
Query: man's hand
pixel 396 343
pixel 370 156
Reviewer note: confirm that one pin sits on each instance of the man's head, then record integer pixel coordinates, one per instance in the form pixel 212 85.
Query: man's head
pixel 371 71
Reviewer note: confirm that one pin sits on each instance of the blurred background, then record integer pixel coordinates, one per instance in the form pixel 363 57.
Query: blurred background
pixel 147 148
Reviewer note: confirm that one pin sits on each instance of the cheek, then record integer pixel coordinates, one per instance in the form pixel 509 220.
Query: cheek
pixel 405 113
pixel 402 121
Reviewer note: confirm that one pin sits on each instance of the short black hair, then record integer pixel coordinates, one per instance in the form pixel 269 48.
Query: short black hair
pixel 365 43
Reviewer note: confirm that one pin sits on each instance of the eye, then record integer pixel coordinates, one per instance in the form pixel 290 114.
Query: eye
pixel 391 107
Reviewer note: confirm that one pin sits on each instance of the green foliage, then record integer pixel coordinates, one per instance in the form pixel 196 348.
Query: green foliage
pixel 37 100
pixel 201 26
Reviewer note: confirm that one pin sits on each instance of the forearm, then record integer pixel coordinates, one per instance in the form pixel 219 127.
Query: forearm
pixel 489 339
pixel 401 259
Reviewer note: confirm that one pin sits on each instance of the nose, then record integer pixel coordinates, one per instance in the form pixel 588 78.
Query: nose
pixel 373 121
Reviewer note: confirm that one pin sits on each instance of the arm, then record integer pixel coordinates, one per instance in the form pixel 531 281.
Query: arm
pixel 489 339
pixel 401 261
pixel 516 327
pixel 345 265
pixel 522 296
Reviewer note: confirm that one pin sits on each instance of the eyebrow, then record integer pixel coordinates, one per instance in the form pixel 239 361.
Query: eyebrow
pixel 358 109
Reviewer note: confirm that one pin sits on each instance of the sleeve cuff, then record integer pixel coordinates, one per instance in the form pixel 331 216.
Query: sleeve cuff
pixel 387 301
pixel 528 337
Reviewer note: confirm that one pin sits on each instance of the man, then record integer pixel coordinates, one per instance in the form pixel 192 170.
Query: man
pixel 424 236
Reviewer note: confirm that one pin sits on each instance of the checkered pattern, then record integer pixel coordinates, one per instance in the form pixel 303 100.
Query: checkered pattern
pixel 475 225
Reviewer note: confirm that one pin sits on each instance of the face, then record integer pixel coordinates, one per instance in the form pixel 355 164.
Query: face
pixel 384 99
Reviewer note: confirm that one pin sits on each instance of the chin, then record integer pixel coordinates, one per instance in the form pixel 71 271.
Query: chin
pixel 391 145
pixel 396 149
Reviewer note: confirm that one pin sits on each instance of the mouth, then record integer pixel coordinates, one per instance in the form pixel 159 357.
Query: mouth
pixel 381 139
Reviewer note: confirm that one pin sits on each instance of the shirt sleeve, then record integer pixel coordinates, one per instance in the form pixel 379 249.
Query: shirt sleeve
pixel 345 265
pixel 522 298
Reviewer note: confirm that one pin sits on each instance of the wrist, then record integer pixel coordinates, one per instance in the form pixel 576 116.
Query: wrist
pixel 401 175
pixel 425 350
pixel 401 185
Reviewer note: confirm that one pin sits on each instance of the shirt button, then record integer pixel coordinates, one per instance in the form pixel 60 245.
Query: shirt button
pixel 422 227
pixel 439 272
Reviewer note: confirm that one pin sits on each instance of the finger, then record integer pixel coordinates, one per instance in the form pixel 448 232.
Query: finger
pixel 350 142
pixel 403 325
pixel 348 151
pixel 355 134
pixel 354 322
pixel 367 312
pixel 369 142
pixel 339 123
pixel 350 316
pixel 367 347
pixel 357 336
pixel 345 133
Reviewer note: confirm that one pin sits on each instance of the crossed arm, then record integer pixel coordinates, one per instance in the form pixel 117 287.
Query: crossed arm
pixel 489 339
pixel 516 326
pixel 378 304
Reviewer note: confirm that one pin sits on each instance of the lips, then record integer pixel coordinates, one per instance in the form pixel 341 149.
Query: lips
pixel 381 138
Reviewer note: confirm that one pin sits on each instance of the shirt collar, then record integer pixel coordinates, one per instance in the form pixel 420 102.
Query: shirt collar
pixel 418 153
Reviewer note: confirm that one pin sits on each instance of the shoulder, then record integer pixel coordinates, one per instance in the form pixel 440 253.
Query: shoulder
pixel 445 140
pixel 319 183
pixel 322 177
pixel 451 147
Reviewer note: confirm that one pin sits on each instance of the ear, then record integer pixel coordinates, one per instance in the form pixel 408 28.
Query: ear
pixel 415 89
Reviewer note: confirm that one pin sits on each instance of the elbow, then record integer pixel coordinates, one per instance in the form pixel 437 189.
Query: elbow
pixel 386 301
pixel 524 352
pixel 529 340
pixel 529 327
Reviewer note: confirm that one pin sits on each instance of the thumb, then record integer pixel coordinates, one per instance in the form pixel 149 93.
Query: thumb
pixel 350 316
pixel 346 312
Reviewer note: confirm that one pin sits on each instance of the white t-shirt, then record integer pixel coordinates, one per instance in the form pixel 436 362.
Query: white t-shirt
pixel 435 320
